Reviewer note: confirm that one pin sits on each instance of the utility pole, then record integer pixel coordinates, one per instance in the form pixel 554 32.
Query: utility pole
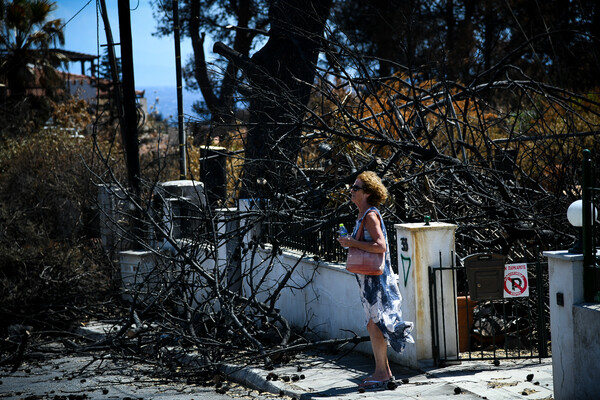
pixel 129 120
pixel 182 138
pixel 130 139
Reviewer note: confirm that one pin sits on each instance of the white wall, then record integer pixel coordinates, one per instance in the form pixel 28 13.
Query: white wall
pixel 324 296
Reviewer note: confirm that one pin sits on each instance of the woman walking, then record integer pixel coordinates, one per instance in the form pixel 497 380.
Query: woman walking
pixel 379 294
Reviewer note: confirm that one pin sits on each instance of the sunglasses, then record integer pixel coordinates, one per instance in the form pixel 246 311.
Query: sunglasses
pixel 356 188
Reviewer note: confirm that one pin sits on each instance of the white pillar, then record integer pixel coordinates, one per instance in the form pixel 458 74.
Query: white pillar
pixel 191 190
pixel 222 215
pixel 112 206
pixel 565 274
pixel 140 277
pixel 422 246
pixel 252 232
pixel 225 247
pixel 182 202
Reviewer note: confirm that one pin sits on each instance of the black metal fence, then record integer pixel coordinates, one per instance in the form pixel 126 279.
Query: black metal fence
pixel 506 328
pixel 320 240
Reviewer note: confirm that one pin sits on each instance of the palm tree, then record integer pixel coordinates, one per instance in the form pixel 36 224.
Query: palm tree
pixel 26 38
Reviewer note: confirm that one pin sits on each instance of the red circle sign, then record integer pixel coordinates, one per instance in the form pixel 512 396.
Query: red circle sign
pixel 515 283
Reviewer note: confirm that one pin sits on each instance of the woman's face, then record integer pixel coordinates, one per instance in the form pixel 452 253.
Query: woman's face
pixel 357 191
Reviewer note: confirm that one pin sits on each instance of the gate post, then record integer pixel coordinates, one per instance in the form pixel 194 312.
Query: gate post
pixel 228 243
pixel 421 246
pixel 565 275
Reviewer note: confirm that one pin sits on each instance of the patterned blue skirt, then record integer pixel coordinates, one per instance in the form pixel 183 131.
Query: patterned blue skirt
pixel 381 298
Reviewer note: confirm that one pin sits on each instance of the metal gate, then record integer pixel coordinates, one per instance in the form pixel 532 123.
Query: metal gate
pixel 491 329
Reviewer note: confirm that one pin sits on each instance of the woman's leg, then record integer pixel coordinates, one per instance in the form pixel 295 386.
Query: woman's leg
pixel 379 345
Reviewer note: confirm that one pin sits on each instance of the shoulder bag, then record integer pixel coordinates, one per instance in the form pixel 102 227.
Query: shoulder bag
pixel 362 262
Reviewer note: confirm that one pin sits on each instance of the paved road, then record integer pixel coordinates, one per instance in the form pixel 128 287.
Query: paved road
pixel 51 373
pixel 98 376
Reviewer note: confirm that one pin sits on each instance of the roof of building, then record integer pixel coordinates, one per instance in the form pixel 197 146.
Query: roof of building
pixel 76 56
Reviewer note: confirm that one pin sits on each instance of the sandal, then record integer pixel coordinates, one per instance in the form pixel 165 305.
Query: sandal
pixel 373 384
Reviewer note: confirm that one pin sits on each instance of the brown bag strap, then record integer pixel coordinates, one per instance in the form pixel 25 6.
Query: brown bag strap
pixel 361 227
pixel 359 232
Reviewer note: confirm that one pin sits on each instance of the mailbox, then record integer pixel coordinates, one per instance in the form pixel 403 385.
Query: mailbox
pixel 485 274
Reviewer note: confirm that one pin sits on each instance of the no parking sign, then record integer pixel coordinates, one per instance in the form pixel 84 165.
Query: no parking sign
pixel 516 282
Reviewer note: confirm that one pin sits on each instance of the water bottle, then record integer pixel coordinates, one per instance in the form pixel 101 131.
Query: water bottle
pixel 343 232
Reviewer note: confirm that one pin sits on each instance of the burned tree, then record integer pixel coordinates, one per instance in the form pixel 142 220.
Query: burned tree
pixel 236 23
pixel 280 79
pixel 471 155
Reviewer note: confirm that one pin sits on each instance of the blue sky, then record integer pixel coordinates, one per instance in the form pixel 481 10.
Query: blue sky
pixel 154 58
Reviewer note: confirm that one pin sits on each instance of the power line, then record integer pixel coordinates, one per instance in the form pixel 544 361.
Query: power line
pixel 76 14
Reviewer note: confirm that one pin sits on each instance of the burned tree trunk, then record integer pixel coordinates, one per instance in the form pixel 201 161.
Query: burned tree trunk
pixel 280 75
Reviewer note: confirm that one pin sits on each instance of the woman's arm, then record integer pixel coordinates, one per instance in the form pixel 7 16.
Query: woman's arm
pixel 372 224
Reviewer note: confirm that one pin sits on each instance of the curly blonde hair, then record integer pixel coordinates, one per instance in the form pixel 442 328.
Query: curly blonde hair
pixel 373 186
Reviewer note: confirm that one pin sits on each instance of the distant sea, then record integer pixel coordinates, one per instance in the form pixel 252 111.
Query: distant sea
pixel 164 98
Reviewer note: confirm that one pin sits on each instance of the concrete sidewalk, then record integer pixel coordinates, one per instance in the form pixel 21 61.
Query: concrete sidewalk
pixel 317 376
